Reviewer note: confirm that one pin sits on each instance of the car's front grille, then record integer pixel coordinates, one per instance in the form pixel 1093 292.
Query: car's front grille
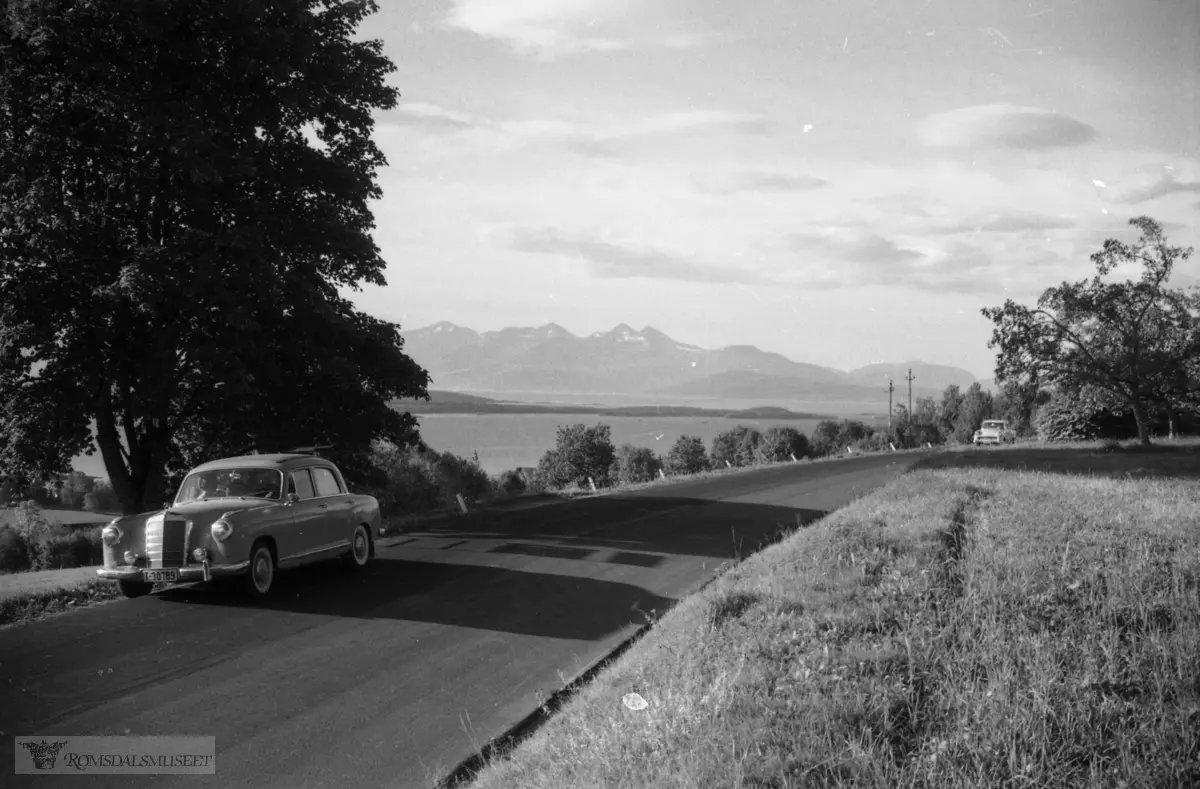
pixel 166 542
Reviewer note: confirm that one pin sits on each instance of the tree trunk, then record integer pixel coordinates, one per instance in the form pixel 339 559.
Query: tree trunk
pixel 137 482
pixel 1172 423
pixel 1143 421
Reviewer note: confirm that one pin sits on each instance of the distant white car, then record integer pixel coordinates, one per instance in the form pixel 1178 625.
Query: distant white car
pixel 994 431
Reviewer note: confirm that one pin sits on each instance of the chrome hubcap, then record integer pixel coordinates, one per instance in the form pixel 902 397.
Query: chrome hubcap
pixel 361 546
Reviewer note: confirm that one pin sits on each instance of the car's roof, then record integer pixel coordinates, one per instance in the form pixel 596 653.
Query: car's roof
pixel 280 461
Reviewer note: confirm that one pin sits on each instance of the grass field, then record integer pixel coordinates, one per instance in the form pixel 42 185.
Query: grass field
pixel 1008 617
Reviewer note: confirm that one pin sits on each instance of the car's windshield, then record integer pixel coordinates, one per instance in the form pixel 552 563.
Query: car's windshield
pixel 262 483
pixel 993 424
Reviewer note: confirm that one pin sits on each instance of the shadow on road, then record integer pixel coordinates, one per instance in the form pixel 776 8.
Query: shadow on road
pixel 636 527
pixel 1159 460
pixel 634 531
pixel 463 595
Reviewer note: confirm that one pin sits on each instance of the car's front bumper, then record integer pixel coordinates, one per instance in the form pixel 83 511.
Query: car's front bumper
pixel 188 574
pixel 987 439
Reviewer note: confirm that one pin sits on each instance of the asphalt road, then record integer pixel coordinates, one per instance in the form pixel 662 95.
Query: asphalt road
pixel 391 677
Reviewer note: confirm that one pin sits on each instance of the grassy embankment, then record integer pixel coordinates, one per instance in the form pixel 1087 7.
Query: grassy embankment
pixel 1005 617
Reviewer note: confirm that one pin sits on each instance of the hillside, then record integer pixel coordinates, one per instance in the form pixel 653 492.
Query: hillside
pixel 748 385
pixel 549 359
pixel 925 375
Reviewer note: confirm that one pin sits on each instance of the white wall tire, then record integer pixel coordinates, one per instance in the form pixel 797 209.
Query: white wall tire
pixel 360 548
pixel 260 575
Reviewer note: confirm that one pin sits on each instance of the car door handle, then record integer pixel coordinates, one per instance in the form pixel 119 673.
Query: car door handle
pixel 324 506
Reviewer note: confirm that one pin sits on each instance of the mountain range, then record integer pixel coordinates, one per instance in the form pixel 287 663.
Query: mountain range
pixel 549 359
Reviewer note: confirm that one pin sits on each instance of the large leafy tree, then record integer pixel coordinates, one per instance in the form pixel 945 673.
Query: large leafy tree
pixel 1017 402
pixel 184 200
pixel 1130 340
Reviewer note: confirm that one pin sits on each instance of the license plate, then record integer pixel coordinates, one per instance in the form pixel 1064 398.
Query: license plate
pixel 160 576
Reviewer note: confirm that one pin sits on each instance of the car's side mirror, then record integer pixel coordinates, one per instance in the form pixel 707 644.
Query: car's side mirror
pixel 291 498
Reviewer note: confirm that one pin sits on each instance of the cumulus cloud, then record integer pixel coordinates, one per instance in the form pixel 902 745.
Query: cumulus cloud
pixel 432 115
pixel 549 29
pixel 1004 126
pixel 1001 222
pixel 1165 184
pixel 605 139
pixel 850 259
pixel 757 181
pixel 853 247
pixel 619 260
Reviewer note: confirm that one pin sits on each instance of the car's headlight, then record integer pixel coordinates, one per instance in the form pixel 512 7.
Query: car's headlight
pixel 221 529
pixel 110 534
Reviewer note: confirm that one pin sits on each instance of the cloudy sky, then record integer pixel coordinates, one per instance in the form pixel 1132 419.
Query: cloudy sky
pixel 841 182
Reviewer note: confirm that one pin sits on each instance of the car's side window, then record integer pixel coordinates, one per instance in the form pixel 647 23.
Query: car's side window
pixel 327 483
pixel 301 484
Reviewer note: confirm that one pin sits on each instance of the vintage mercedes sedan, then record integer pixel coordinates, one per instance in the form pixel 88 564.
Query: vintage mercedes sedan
pixel 243 518
pixel 994 431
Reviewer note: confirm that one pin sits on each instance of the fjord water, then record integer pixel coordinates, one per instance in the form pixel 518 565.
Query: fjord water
pixel 507 441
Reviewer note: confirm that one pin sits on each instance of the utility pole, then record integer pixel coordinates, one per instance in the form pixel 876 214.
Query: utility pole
pixel 910 380
pixel 891 388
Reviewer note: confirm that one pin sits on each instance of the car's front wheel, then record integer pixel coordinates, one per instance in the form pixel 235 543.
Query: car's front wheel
pixel 133 589
pixel 260 575
pixel 360 548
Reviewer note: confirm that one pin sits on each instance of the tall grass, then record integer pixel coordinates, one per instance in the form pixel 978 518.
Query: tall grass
pixel 958 628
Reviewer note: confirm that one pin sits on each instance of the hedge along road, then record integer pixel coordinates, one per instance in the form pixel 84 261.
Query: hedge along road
pixel 394 676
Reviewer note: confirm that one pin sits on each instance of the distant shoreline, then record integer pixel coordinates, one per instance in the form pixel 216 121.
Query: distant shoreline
pixel 765 412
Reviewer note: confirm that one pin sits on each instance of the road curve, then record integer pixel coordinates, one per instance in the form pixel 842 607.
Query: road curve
pixel 391 677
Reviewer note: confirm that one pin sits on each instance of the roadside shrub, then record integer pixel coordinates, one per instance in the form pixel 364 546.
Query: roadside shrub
pixel 548 475
pixel 825 438
pixel 687 456
pixel 907 436
pixel 635 464
pixel 14 551
pixel 512 482
pixel 457 475
pixel 876 442
pixel 580 452
pixel 851 431
pixel 780 442
pixel 412 480
pixel 31 524
pixel 738 446
pixel 404 484
pixel 73 549
pixel 1062 418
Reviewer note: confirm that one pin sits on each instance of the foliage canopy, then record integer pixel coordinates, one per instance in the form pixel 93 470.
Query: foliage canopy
pixel 1131 342
pixel 184 200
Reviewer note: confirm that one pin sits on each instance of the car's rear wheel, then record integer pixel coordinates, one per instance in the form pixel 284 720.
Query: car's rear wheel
pixel 260 575
pixel 133 589
pixel 360 548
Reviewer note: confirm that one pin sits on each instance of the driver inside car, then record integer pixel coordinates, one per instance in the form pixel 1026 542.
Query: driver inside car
pixel 238 484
